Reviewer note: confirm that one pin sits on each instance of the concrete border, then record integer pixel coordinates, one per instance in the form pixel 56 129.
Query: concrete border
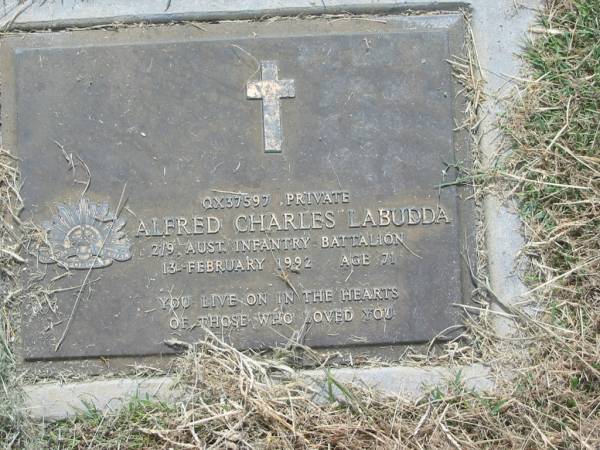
pixel 404 381
pixel 499 28
pixel 55 14
pixel 54 401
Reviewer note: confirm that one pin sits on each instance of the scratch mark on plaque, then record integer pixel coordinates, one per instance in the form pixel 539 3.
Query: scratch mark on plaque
pixel 228 192
pixel 237 167
pixel 52 325
pixel 149 68
pixel 348 98
pixel 217 166
pixel 361 18
pixel 179 243
pixel 67 156
pixel 148 279
pixel 349 275
pixel 408 249
pixel 257 69
pixel 444 174
pixel 333 168
pixel 195 25
pixel 130 211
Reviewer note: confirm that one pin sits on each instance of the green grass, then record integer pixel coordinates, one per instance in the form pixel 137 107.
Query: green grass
pixel 557 131
pixel 16 431
pixel 8 427
pixel 92 428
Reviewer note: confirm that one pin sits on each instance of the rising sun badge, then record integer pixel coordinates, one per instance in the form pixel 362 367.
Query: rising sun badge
pixel 85 235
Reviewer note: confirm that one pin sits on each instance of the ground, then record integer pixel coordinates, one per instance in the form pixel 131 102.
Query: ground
pixel 552 169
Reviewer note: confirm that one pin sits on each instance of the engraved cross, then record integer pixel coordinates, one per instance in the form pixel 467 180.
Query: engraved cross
pixel 270 90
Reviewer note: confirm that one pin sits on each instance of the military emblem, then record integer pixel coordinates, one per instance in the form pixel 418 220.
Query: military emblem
pixel 85 235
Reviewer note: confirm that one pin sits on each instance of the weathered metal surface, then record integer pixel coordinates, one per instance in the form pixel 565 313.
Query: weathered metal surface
pixel 343 239
pixel 270 90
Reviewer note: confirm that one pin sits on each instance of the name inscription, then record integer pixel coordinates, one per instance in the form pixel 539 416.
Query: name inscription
pixel 238 233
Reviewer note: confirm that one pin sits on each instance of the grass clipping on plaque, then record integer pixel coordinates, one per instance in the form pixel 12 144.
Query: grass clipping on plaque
pixel 235 400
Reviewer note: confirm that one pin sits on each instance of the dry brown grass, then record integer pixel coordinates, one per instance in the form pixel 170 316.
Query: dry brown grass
pixel 13 423
pixel 233 400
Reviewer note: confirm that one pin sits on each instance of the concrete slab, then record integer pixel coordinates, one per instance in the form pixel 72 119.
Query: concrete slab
pixel 500 28
pixel 35 14
pixel 53 401
pixel 407 382
pixel 384 129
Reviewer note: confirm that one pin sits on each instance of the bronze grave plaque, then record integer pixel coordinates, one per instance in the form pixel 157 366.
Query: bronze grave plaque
pixel 265 181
